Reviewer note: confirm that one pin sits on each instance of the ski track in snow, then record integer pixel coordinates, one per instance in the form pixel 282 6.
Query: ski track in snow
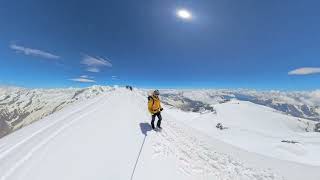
pixel 196 158
pixel 2 146
pixel 18 144
pixel 51 136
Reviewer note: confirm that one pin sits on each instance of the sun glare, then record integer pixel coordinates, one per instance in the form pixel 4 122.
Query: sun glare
pixel 184 14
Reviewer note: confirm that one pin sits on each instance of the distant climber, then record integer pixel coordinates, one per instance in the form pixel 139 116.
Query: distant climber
pixel 154 107
pixel 220 126
pixel 129 87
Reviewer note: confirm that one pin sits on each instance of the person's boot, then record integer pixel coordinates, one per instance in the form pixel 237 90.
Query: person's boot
pixel 159 124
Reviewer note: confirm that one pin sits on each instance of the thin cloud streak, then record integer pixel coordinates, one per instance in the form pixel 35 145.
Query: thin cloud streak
pixel 95 61
pixel 114 78
pixel 93 69
pixel 305 71
pixel 94 64
pixel 83 80
pixel 33 52
pixel 86 76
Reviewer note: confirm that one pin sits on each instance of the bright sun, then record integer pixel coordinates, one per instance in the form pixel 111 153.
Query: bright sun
pixel 184 14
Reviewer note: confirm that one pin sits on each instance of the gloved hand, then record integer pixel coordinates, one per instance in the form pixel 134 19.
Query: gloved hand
pixel 161 109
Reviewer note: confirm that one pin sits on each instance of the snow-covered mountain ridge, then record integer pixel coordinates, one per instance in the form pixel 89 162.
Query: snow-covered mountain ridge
pixel 20 106
pixel 109 137
pixel 302 104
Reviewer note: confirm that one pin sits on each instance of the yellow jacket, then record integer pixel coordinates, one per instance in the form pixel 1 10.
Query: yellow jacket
pixel 154 105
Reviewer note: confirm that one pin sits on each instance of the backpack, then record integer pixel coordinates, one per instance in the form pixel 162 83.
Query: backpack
pixel 149 98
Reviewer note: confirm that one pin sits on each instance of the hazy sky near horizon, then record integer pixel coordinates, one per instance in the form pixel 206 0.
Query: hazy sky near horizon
pixel 224 44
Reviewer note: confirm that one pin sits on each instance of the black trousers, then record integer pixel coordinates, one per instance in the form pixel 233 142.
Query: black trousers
pixel 153 117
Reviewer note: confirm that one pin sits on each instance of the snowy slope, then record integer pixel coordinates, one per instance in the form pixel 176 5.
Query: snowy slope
pixel 298 104
pixel 20 106
pixel 108 137
pixel 261 129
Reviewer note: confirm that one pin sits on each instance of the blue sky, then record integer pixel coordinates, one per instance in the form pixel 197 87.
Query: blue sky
pixel 226 44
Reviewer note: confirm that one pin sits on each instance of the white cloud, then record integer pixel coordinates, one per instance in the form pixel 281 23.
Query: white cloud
pixel 93 69
pixel 114 78
pixel 86 76
pixel 94 64
pixel 95 61
pixel 305 71
pixel 83 80
pixel 33 52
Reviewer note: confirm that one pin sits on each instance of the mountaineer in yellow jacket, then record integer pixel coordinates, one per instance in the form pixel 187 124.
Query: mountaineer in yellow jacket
pixel 155 108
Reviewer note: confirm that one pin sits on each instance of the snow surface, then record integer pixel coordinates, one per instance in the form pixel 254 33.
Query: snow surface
pixel 108 137
pixel 261 129
pixel 20 107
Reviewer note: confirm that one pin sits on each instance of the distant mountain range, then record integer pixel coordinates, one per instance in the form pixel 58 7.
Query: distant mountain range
pixel 20 106
pixel 298 104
